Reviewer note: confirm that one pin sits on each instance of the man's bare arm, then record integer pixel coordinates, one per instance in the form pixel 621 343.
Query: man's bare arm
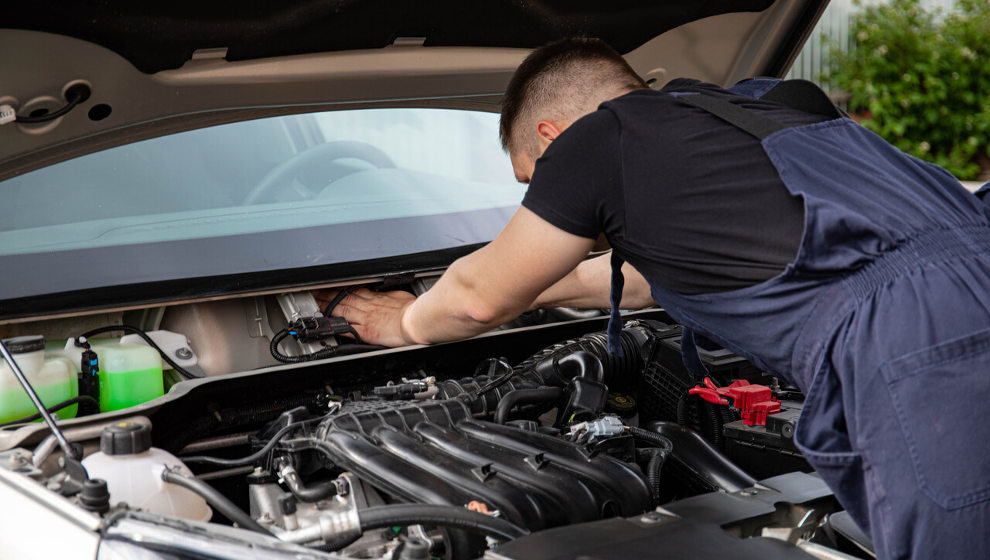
pixel 589 284
pixel 477 293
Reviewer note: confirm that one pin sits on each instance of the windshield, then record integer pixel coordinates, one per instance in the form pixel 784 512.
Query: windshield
pixel 268 194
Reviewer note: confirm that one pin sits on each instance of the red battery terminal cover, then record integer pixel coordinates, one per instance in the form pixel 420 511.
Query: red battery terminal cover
pixel 754 402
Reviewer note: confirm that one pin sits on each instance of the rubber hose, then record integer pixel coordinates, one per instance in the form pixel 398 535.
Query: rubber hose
pixel 541 369
pixel 524 396
pixel 307 494
pixel 247 460
pixel 449 516
pixel 543 364
pixel 228 508
pixel 420 514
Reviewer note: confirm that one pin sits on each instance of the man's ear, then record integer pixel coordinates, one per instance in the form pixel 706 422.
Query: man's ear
pixel 548 131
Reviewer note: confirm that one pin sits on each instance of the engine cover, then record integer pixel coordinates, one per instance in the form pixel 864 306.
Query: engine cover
pixel 435 452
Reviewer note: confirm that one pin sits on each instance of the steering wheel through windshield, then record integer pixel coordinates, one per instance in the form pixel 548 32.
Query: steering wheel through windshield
pixel 314 161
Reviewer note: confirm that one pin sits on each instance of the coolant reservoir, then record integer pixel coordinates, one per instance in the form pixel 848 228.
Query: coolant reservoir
pixel 133 471
pixel 54 379
pixel 130 374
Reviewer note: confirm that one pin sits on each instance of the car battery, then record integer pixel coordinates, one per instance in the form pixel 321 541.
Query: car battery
pixel 766 451
pixel 666 380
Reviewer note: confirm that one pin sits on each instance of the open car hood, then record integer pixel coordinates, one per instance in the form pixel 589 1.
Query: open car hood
pixel 162 68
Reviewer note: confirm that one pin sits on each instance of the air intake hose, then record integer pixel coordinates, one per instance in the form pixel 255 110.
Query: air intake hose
pixel 543 369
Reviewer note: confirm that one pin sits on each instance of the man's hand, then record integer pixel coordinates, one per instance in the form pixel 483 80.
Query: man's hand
pixel 376 316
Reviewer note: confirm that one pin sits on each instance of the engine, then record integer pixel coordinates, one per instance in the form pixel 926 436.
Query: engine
pixel 397 460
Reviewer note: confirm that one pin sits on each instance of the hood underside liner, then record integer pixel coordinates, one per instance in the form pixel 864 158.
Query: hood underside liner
pixel 158 36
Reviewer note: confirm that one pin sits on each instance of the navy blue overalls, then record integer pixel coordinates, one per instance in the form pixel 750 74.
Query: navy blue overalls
pixel 882 321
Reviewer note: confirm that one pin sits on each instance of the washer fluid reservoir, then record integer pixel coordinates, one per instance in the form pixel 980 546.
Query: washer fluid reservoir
pixel 133 471
pixel 53 378
pixel 130 374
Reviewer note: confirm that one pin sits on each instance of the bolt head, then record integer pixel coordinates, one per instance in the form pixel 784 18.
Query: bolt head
pixel 651 517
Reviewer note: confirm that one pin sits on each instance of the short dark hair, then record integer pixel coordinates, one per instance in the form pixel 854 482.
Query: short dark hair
pixel 590 62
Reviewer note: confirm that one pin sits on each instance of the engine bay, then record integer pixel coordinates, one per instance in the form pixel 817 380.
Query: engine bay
pixel 528 442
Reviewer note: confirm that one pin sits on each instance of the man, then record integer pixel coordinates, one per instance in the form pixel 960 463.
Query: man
pixel 766 222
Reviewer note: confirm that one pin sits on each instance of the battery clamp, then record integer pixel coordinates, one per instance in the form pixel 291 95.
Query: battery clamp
pixel 754 402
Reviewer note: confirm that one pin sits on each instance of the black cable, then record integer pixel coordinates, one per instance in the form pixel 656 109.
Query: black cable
pixel 281 335
pixel 134 330
pixel 328 352
pixel 494 384
pixel 652 437
pixel 498 381
pixel 247 460
pixel 337 299
pixel 49 116
pixel 53 408
pixel 657 457
pixel 74 95
pixel 333 304
pixel 215 499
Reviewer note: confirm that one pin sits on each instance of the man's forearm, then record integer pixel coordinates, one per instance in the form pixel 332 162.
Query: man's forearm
pixel 588 286
pixel 477 293
pixel 455 308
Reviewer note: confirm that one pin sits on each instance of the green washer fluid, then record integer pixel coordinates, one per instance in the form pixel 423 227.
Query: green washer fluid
pixel 53 379
pixel 125 389
pixel 15 403
pixel 130 374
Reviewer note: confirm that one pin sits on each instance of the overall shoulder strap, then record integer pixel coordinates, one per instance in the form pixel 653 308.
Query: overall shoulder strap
pixel 614 329
pixel 801 95
pixel 743 119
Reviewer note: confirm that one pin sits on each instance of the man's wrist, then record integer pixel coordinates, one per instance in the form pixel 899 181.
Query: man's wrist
pixel 404 331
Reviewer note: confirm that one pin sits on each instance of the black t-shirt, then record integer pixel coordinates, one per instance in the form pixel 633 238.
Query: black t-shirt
pixel 692 202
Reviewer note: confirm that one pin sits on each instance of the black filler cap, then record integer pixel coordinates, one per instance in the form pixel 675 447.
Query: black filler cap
pixel 125 438
pixel 25 344
pixel 621 404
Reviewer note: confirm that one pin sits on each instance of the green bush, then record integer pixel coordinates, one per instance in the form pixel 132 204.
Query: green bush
pixel 922 79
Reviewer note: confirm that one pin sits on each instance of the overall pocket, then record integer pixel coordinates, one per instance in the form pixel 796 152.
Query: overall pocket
pixel 823 440
pixel 941 395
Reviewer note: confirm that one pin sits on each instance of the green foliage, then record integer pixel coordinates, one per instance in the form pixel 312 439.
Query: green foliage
pixel 924 78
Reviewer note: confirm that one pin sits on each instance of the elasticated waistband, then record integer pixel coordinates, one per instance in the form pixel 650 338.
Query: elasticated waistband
pixel 923 249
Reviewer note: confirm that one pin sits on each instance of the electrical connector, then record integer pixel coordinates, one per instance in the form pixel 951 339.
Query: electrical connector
pixel 7 114
pixel 311 329
pixel 604 427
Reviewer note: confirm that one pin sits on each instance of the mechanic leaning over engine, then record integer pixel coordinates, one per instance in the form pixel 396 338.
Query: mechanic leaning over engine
pixel 762 219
